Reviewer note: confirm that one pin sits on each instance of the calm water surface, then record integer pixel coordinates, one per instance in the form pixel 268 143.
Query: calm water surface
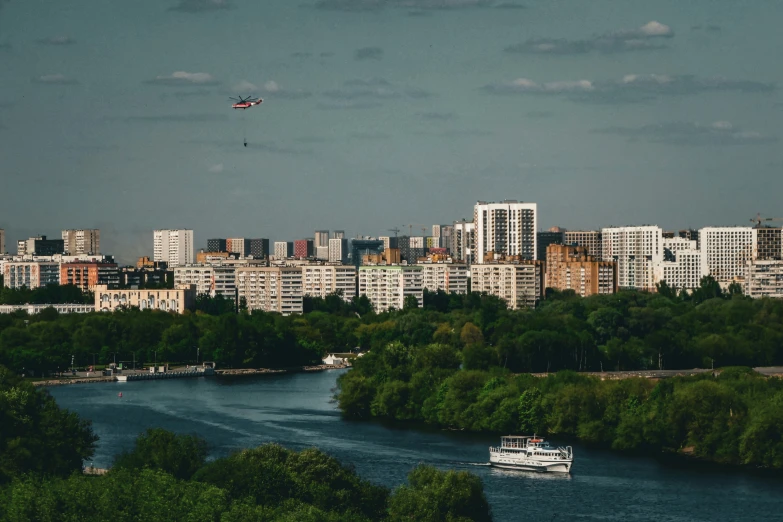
pixel 296 411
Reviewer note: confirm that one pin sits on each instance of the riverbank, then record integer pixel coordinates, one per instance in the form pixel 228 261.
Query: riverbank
pixel 232 372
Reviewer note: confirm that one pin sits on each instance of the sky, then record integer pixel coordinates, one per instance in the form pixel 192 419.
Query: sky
pixel 384 113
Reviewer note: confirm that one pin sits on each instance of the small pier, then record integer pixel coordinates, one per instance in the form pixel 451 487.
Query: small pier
pixel 176 374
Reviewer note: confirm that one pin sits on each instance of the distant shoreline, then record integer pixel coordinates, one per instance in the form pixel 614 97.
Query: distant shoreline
pixel 232 372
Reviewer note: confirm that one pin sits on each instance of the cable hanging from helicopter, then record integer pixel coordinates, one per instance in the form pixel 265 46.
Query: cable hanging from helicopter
pixel 245 103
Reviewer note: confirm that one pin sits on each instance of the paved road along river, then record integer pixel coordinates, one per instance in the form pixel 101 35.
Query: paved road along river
pixel 295 410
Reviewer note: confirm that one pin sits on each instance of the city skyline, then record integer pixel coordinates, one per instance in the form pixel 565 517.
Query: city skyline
pixel 602 114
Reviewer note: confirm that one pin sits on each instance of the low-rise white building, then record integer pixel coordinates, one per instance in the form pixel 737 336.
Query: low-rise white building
pixel 387 286
pixel 271 288
pixel 322 280
pixel 520 284
pixel 32 309
pixel 763 278
pixel 452 278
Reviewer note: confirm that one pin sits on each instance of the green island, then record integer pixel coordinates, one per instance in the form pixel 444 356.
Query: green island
pixel 466 362
pixel 167 477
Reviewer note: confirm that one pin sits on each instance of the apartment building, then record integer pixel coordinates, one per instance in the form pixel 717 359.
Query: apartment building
pixel 322 253
pixel 168 300
pixel 763 278
pixel 2 241
pixel 463 241
pixel 452 278
pixel 271 289
pixel 506 228
pixel 259 247
pixel 727 251
pixel 520 284
pixel 30 274
pixel 321 238
pixel 212 280
pixel 636 251
pixel 216 245
pixel 768 243
pixel 441 235
pixel 338 250
pixel 238 245
pixel 570 267
pixel 387 286
pixel 81 242
pixel 590 239
pixel 322 280
pixel 284 249
pixel 88 275
pixel 175 247
pixel 553 236
pixel 304 248
pixel 39 246
pixel 683 265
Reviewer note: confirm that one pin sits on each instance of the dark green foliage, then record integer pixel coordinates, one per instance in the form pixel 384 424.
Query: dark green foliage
pixel 178 455
pixel 35 435
pixel 436 496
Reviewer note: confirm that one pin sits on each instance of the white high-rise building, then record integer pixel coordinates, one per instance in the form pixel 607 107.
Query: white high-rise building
pixel 175 247
pixel 637 252
pixel 463 241
pixel 271 289
pixel 338 250
pixel 763 278
pixel 452 278
pixel 683 265
pixel 82 242
pixel 520 285
pixel 505 228
pixel 284 249
pixel 321 238
pixel 727 251
pixel 590 239
pixel 386 286
pixel 322 280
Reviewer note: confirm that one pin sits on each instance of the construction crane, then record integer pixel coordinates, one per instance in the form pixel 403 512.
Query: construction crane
pixel 758 219
pixel 423 228
pixel 395 230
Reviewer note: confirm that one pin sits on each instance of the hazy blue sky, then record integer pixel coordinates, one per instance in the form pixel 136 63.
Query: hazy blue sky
pixel 380 113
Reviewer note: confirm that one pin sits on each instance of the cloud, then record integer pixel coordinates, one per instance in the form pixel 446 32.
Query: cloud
pixel 57 40
pixel 719 133
pixel 357 6
pixel 370 135
pixel 175 118
pixel 368 53
pixel 270 89
pixel 630 88
pixel 336 105
pixel 181 78
pixel 201 6
pixel 375 89
pixel 54 79
pixel 436 116
pixel 216 169
pixel 646 37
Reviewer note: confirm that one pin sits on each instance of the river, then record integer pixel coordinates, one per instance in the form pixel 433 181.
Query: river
pixel 296 410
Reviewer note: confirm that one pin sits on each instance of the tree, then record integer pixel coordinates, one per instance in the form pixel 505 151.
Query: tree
pixel 410 302
pixel 178 455
pixel 439 496
pixel 36 436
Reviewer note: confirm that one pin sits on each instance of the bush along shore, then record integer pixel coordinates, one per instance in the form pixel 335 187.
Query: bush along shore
pixel 734 416
pixel 166 477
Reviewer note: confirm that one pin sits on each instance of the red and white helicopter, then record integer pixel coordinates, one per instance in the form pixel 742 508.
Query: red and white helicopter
pixel 245 103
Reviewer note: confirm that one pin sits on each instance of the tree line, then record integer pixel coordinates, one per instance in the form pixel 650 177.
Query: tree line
pixel 167 477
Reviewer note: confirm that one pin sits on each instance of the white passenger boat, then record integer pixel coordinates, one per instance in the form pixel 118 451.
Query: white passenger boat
pixel 530 454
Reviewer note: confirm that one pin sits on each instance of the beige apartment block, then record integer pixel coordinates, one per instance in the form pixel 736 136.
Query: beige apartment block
pixel 572 268
pixel 322 280
pixel 520 284
pixel 271 288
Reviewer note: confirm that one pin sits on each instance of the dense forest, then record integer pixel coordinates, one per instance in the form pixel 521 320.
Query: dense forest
pixel 166 477
pixel 50 294
pixel 623 331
